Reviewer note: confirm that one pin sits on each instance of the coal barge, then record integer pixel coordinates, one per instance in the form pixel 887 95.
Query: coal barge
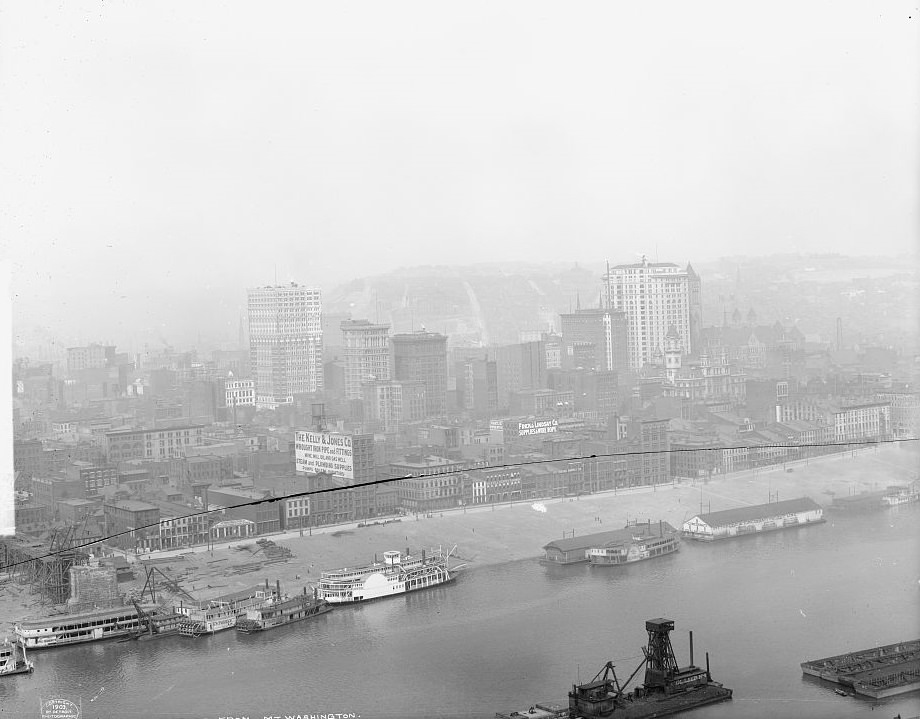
pixel 667 690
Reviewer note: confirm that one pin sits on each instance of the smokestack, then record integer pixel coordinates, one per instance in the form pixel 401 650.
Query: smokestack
pixel 691 648
pixel 423 556
pixel 266 584
pixel 278 585
pixel 407 551
pixel 708 675
pixel 661 534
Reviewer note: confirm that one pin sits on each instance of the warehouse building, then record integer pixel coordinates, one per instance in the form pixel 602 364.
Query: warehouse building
pixel 753 520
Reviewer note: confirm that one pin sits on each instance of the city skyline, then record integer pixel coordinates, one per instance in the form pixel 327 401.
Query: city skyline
pixel 496 135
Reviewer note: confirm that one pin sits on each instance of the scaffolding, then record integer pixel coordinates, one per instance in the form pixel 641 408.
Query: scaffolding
pixel 44 567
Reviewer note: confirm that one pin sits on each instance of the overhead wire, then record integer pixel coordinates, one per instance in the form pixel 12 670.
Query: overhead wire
pixel 448 472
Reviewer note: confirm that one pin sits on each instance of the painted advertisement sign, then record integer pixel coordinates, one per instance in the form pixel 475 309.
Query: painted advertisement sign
pixel 324 452
pixel 537 426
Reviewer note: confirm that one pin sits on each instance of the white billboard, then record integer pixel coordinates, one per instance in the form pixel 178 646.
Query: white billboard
pixel 537 426
pixel 324 452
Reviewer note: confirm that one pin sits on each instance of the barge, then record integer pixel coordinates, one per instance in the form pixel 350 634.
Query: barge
pixel 281 611
pixel 636 543
pixel 397 574
pixel 667 689
pixel 877 673
pixel 13 659
pixel 156 624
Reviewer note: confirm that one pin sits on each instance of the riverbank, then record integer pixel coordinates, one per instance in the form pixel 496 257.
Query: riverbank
pixel 487 535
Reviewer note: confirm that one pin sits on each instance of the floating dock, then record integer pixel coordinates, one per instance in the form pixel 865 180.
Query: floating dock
pixel 877 673
pixel 745 521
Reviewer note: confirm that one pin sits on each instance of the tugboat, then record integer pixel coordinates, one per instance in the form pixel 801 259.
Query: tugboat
pixel 13 659
pixel 667 689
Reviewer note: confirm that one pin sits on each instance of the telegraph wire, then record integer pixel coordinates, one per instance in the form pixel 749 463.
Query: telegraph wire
pixel 530 463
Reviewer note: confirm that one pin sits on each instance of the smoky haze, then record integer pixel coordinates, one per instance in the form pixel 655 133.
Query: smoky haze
pixel 164 157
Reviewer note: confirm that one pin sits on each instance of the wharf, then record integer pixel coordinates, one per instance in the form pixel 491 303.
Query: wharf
pixel 879 672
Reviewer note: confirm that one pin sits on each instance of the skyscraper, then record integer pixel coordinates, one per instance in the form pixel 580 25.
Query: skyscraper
pixel 422 357
pixel 655 296
pixel 366 353
pixel 603 333
pixel 285 343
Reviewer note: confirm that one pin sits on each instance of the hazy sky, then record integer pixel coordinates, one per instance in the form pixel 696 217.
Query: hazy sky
pixel 153 147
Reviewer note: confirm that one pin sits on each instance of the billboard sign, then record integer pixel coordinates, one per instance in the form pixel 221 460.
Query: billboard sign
pixel 329 452
pixel 537 426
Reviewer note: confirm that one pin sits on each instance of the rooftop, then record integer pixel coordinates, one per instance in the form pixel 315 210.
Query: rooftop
pixel 132 505
pixel 760 511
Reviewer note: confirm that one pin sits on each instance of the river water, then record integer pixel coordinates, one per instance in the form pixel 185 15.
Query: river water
pixel 505 637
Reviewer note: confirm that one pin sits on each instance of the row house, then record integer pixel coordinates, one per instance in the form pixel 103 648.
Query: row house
pixel 132 524
pixel 487 486
pixel 606 467
pixel 181 526
pixel 905 413
pixel 427 484
pixel 556 479
pixel 849 423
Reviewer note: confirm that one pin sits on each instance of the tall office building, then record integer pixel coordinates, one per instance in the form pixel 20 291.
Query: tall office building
pixel 366 354
pixel 422 357
pixel 92 356
pixel 655 297
pixel 518 367
pixel 285 343
pixel 597 336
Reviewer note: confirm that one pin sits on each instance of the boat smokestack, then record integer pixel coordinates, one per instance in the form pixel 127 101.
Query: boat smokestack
pixel 661 534
pixel 708 675
pixel 407 551
pixel 423 556
pixel 278 585
pixel 691 648
pixel 266 584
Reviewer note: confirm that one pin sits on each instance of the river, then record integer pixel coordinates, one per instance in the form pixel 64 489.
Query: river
pixel 504 637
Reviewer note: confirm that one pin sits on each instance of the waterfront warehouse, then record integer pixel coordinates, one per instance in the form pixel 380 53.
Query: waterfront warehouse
pixel 578 549
pixel 753 520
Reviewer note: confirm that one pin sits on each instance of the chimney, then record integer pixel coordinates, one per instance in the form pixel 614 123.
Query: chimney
pixel 691 648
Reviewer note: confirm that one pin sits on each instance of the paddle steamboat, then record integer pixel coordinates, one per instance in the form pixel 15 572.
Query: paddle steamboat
pixel 64 629
pixel 636 543
pixel 282 610
pixel 397 574
pixel 220 613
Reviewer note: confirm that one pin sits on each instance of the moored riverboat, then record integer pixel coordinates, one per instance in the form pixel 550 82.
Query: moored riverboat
pixel 13 659
pixel 65 629
pixel 397 574
pixel 282 611
pixel 636 543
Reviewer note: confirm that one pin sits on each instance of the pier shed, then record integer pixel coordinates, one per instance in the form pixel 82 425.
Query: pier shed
pixel 575 549
pixel 753 520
